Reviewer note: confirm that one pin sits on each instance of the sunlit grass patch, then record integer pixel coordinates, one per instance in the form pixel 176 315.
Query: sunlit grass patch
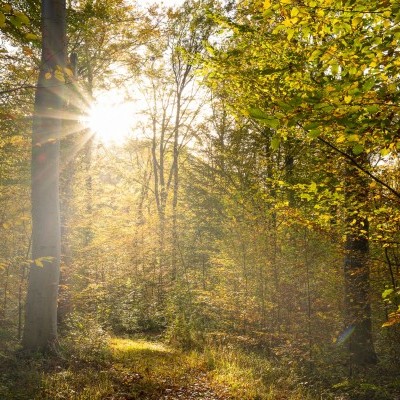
pixel 250 376
pixel 151 359
pixel 128 345
pixel 156 364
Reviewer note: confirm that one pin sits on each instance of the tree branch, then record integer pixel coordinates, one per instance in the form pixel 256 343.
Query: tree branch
pixel 359 166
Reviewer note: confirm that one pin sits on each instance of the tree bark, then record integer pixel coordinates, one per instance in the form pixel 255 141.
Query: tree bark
pixel 356 270
pixel 40 331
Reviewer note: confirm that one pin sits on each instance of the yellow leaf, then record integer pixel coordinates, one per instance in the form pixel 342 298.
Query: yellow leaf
pixel 341 139
pixel 287 22
pixel 59 76
pixel 295 11
pixel 267 4
pixel 69 72
pixel 47 75
pixel 38 263
pixel 347 99
pixel 355 22
pixel 353 138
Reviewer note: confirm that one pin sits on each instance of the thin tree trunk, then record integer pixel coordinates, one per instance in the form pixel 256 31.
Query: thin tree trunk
pixel 5 295
pixel 22 279
pixel 40 332
pixel 175 167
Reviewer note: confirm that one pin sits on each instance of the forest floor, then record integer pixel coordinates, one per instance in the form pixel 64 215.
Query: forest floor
pixel 130 370
pixel 140 369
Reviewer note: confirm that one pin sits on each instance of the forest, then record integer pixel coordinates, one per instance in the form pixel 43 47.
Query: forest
pixel 200 199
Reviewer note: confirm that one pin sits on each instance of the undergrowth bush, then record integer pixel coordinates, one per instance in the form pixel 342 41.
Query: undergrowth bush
pixel 191 317
pixel 83 337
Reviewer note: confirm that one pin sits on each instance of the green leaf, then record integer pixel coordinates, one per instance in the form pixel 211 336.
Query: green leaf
pixel 271 122
pixel 275 142
pixel 315 55
pixel 2 20
pixel 358 149
pixel 257 113
pixel 372 109
pixel 264 118
pixel 15 21
pixel 368 85
pixel 335 68
pixel 31 36
pixel 285 106
pixel 314 133
pixel 6 8
pixel 311 125
pixel 22 18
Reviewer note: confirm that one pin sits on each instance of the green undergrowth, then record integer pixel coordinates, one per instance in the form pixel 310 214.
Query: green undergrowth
pixel 134 368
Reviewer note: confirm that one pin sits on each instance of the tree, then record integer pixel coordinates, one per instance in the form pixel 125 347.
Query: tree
pixel 307 72
pixel 40 332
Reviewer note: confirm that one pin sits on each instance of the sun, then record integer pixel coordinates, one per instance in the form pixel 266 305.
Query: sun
pixel 110 118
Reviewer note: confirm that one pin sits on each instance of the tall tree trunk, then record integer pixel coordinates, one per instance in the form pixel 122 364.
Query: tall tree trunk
pixel 356 269
pixel 40 331
pixel 69 148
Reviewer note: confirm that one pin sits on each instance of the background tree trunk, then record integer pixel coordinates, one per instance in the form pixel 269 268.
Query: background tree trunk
pixel 356 269
pixel 40 332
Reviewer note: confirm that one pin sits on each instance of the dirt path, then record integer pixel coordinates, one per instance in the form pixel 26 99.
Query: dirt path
pixel 200 389
pixel 151 371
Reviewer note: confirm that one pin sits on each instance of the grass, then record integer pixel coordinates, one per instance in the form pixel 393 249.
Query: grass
pixel 127 369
